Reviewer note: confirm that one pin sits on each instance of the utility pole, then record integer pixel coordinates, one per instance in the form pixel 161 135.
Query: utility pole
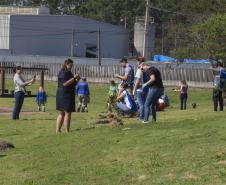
pixel 99 47
pixel 125 22
pixel 146 26
pixel 162 39
pixel 72 42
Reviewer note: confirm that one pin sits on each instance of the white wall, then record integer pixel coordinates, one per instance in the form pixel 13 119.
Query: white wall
pixel 139 38
pixel 4 31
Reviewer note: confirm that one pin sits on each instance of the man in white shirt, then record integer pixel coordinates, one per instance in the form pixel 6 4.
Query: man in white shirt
pixel 140 92
pixel 125 102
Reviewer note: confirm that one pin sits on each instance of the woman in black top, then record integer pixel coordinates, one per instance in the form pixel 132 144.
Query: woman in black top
pixel 65 97
pixel 156 90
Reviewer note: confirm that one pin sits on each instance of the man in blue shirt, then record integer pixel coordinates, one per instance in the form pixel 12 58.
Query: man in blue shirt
pixel 82 90
pixel 128 76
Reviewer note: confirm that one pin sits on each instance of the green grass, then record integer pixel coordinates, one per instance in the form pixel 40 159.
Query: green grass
pixel 184 147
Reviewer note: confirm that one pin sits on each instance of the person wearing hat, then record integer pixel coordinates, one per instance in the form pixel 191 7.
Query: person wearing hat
pixel 128 76
pixel 82 91
pixel 19 91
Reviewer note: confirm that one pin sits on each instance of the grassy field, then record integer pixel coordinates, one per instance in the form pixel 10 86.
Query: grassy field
pixel 184 147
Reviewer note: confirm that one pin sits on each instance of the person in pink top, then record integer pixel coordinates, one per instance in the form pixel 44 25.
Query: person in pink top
pixel 183 94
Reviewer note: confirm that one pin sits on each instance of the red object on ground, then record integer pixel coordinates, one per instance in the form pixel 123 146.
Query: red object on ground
pixel 161 105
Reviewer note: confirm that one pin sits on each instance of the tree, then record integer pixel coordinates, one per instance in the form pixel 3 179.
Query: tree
pixel 211 36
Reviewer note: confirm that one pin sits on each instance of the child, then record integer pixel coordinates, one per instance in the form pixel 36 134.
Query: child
pixel 82 90
pixel 125 104
pixel 183 94
pixel 41 99
pixel 112 95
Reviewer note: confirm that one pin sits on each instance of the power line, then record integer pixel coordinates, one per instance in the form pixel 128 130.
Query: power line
pixel 166 10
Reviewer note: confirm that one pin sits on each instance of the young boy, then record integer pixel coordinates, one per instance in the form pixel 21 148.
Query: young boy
pixel 41 99
pixel 82 90
pixel 112 95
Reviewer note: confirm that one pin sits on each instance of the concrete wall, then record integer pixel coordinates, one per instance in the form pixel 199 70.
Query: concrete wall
pixel 139 39
pixel 52 35
pixel 17 10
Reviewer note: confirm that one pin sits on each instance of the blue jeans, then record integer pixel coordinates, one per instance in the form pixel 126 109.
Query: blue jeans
pixel 19 99
pixel 183 101
pixel 154 94
pixel 141 97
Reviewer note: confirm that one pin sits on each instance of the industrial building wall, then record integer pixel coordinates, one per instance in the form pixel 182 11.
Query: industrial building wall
pixel 4 32
pixel 52 36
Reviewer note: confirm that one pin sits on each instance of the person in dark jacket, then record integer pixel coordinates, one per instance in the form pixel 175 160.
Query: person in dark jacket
pixel 65 97
pixel 219 86
pixel 82 90
pixel 156 90
pixel 41 99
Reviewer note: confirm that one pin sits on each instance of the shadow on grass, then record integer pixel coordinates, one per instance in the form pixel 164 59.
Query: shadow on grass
pixel 35 119
pixel 1 156
pixel 81 129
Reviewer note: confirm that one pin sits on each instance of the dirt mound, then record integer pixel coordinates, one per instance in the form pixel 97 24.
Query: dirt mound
pixel 5 145
pixel 110 119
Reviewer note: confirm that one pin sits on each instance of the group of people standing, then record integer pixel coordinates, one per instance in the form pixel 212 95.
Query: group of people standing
pixel 148 88
pixel 146 85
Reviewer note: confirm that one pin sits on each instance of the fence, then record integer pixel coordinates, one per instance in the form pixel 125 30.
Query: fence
pixel 171 73
pixel 37 59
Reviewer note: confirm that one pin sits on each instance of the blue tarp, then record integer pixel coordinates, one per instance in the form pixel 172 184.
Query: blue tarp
pixel 201 61
pixel 162 58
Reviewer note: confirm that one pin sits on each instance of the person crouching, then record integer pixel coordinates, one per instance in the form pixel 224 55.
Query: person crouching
pixel 125 103
pixel 82 90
